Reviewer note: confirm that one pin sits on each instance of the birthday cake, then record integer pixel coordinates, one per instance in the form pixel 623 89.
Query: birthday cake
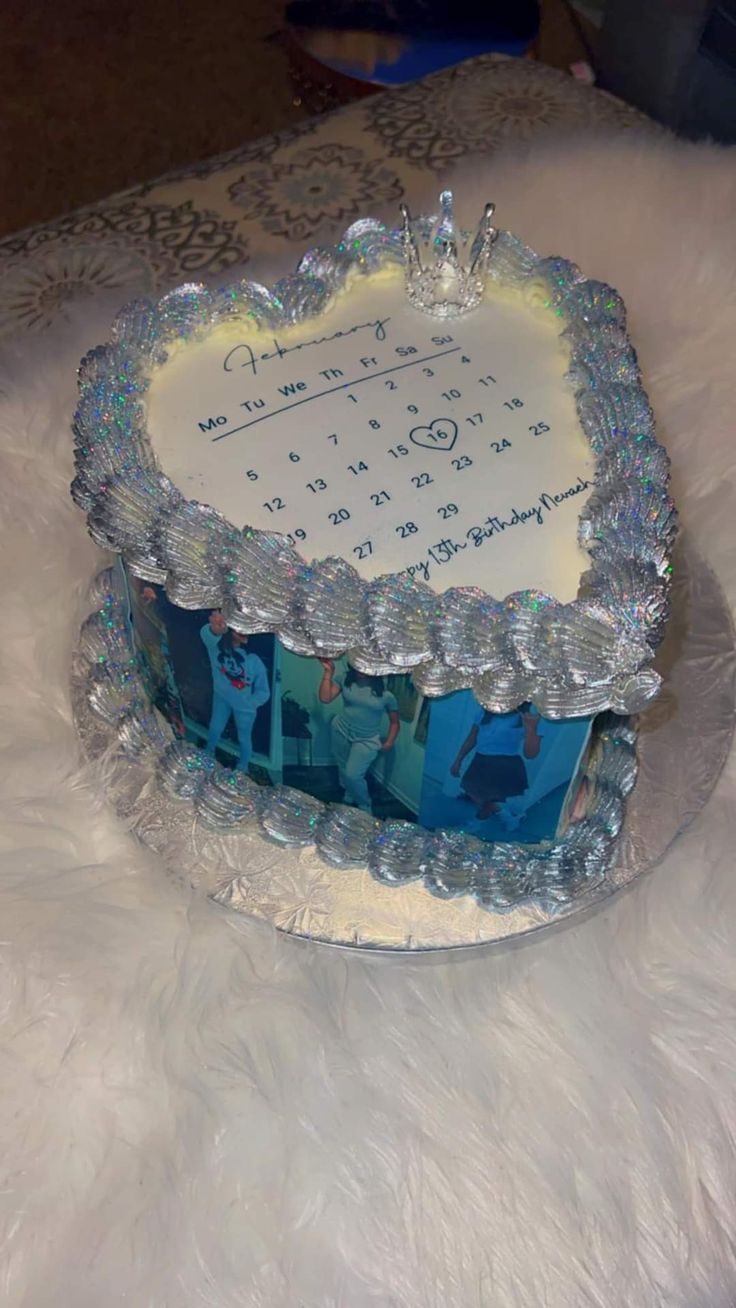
pixel 423 650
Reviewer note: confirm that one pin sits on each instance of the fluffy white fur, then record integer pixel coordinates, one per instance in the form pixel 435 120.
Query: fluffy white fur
pixel 198 1112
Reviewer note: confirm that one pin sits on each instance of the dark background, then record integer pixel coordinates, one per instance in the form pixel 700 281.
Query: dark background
pixel 97 97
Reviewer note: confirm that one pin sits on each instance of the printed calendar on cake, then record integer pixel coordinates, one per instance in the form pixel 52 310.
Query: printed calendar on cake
pixel 449 451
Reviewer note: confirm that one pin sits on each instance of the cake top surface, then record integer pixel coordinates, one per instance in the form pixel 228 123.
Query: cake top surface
pixel 448 451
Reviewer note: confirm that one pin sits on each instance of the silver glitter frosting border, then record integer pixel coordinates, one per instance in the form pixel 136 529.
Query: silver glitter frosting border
pixel 571 659
pixel 497 876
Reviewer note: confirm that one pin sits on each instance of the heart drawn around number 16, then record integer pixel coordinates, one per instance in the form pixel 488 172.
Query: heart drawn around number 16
pixel 440 434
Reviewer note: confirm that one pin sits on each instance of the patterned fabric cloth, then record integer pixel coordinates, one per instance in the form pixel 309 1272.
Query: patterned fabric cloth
pixel 299 188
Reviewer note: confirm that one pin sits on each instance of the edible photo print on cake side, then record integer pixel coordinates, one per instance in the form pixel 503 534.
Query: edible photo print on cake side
pixel 214 685
pixel 499 776
pixel 351 738
pixel 342 736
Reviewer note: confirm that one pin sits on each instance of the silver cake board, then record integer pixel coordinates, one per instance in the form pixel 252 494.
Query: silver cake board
pixel 684 740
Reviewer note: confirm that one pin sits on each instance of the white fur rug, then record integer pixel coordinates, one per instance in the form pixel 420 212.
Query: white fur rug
pixel 196 1112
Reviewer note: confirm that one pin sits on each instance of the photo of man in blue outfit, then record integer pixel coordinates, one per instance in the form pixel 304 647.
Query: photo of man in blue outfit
pixel 239 685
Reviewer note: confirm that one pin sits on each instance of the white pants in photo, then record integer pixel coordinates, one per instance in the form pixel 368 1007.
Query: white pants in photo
pixel 353 758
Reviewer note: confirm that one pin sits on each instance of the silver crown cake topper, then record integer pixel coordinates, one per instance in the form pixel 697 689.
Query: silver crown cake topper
pixel 440 283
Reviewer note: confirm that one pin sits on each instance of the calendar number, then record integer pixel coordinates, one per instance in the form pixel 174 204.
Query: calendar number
pixel 374 423
pixel 538 428
pixel 488 380
pixel 364 550
pixel 513 404
pixel 452 394
pixel 411 408
pixel 390 385
pixel 462 462
pixel 398 451
pixel 297 534
pixel 319 484
pixel 447 511
pixel 294 457
pixel 422 479
pixel 428 372
pixel 252 475
pixel 339 515
pixel 406 529
pixel 380 497
pixel 499 446
pixel 475 419
pixel 333 437
pixel 357 468
pixel 274 505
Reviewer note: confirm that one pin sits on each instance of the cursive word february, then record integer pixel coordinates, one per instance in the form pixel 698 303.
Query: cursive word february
pixel 249 359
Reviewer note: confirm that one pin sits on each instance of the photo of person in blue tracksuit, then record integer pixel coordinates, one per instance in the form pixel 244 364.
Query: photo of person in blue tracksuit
pixel 239 685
